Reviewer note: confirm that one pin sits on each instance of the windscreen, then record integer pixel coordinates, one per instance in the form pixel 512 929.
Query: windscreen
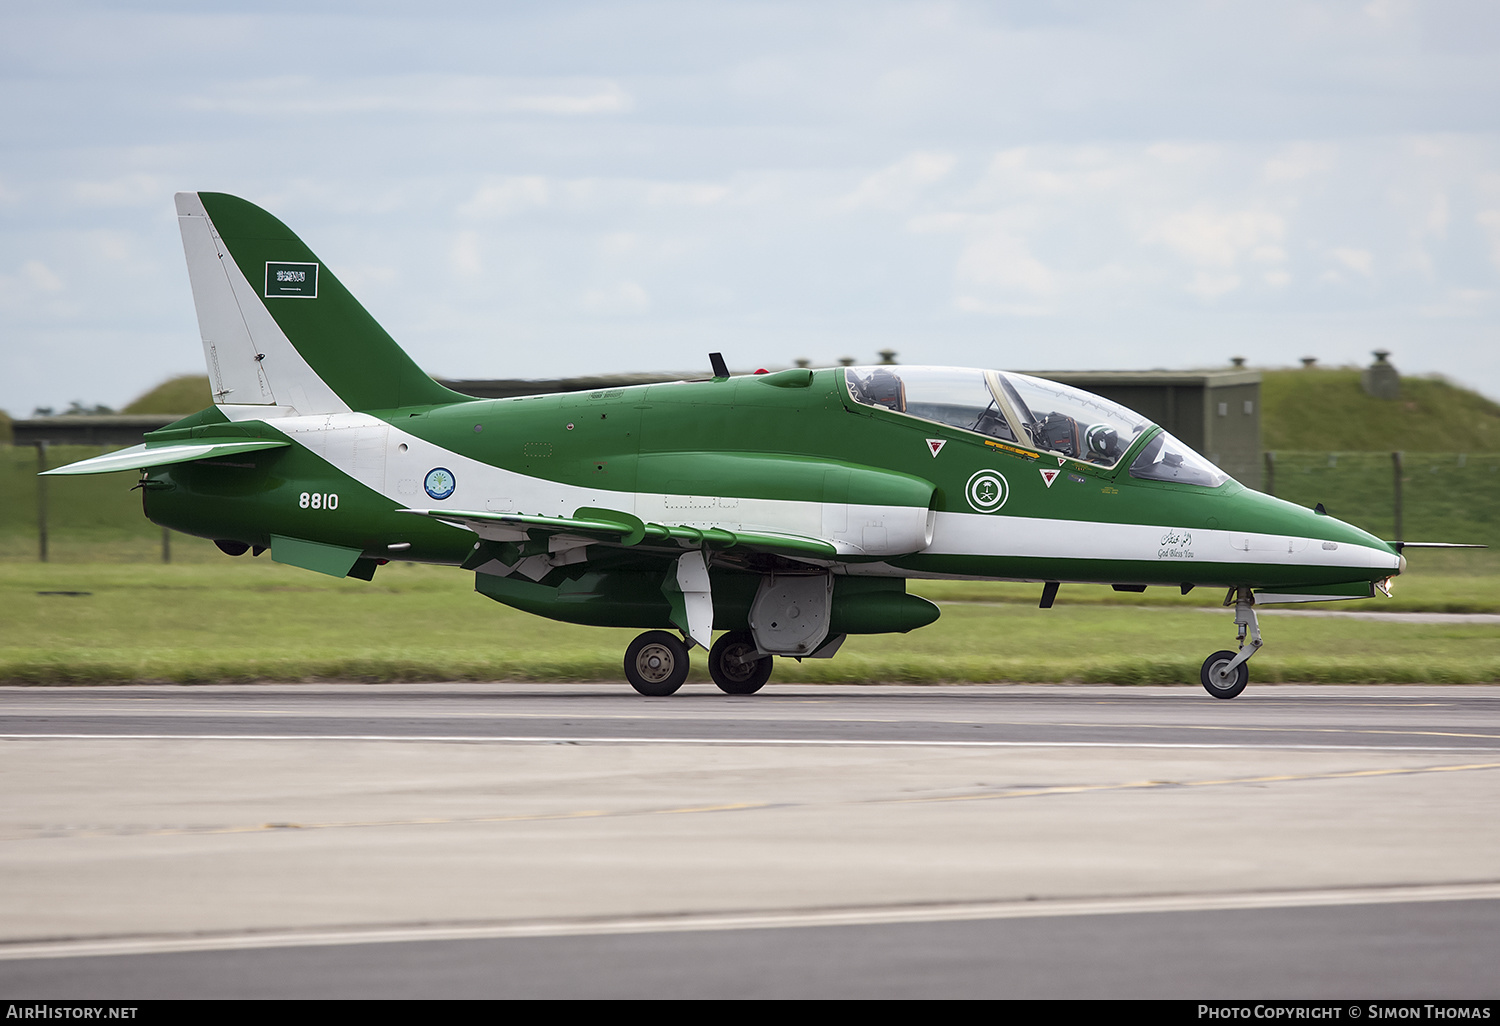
pixel 1166 459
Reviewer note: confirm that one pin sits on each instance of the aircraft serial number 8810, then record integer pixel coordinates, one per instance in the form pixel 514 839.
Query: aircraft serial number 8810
pixel 785 510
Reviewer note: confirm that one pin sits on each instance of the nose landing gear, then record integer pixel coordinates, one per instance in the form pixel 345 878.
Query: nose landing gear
pixel 1224 673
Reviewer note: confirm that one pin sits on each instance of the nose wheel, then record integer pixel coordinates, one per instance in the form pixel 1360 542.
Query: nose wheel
pixel 1224 673
pixel 656 663
pixel 1222 677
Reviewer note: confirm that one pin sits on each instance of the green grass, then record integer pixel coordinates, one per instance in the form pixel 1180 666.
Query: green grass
pixel 1327 410
pixel 244 620
pixel 94 518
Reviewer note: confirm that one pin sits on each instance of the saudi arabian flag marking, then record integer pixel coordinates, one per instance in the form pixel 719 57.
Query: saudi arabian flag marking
pixel 291 280
pixel 936 445
pixel 1049 476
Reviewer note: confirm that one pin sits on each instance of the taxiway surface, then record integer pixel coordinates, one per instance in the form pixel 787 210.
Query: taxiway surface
pixel 547 840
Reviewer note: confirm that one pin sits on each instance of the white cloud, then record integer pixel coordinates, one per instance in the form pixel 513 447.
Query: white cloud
pixel 127 191
pixel 1000 261
pixel 626 298
pixel 1209 237
pixel 1436 222
pixel 31 289
pixel 504 196
pixel 1490 221
pixel 1359 260
pixel 1297 162
pixel 899 184
pixel 464 256
pixel 1210 285
pixel 431 94
pixel 40 277
pixel 686 194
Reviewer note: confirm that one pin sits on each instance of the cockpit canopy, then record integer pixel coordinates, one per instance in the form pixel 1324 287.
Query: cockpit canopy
pixel 1030 412
pixel 1017 408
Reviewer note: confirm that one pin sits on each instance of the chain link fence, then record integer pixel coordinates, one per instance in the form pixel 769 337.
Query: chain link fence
pixel 1410 496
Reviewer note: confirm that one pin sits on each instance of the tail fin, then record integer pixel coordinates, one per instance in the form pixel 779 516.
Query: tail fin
pixel 278 328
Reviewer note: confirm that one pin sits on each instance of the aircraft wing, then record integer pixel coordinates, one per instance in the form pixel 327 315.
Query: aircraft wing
pixel 159 454
pixel 614 527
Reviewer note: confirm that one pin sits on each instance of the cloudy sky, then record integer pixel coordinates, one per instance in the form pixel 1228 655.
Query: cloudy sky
pixel 531 190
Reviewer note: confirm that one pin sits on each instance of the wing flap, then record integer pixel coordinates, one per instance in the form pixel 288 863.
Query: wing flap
pixel 160 454
pixel 612 527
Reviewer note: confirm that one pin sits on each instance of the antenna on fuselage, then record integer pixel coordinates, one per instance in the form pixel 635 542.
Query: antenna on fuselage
pixel 721 370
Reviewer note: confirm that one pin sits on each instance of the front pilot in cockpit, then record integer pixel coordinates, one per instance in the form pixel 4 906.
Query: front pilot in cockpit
pixel 1017 408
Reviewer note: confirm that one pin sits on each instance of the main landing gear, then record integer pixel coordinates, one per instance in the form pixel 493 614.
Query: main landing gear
pixel 1225 673
pixel 656 663
pixel 734 666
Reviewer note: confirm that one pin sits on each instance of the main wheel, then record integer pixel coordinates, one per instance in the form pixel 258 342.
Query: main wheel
pixel 1212 675
pixel 731 670
pixel 656 663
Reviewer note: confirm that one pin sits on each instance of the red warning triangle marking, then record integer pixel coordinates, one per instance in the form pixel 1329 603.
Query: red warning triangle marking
pixel 936 445
pixel 1049 476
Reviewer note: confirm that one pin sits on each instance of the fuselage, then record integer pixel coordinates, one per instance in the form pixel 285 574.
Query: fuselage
pixel 794 453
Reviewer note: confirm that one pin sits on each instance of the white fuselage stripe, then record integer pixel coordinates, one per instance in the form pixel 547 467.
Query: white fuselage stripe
pixel 853 529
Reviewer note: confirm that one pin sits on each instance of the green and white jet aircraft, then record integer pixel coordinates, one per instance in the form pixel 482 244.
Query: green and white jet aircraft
pixel 786 509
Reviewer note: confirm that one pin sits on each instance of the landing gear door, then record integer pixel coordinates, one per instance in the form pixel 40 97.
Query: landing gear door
pixel 790 614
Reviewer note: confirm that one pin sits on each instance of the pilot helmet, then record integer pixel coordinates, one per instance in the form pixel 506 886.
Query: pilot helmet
pixel 1103 439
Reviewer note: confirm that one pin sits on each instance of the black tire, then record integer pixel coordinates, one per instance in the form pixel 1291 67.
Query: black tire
pixel 230 547
pixel 730 673
pixel 1217 662
pixel 656 663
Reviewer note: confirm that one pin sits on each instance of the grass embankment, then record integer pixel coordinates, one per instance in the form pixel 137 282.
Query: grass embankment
pixel 242 620
pixel 1328 410
pixel 181 395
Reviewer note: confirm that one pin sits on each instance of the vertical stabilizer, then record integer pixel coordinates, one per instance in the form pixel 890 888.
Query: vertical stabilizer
pixel 278 328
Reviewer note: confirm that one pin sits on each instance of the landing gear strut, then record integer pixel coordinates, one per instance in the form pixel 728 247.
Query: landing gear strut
pixel 1224 673
pixel 656 663
pixel 734 667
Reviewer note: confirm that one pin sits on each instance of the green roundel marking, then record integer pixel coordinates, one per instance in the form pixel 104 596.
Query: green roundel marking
pixel 987 491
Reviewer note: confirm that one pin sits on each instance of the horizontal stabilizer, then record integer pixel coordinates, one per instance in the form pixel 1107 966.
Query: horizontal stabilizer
pixel 160 454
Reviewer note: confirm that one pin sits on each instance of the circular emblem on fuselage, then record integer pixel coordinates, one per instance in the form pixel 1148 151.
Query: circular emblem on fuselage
pixel 439 482
pixel 987 491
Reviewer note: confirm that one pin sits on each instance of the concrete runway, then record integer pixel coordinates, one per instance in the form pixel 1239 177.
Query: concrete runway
pixel 578 840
